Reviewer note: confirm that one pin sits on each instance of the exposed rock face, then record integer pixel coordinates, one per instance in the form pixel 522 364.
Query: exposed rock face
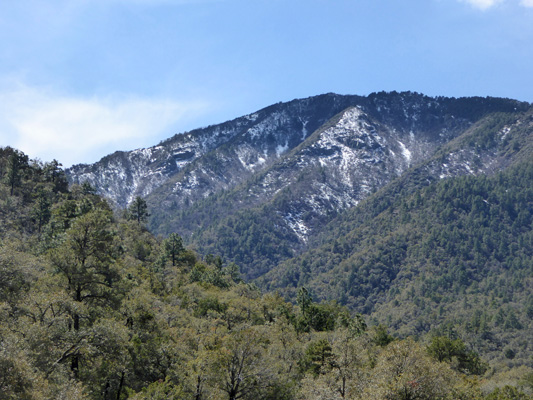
pixel 288 169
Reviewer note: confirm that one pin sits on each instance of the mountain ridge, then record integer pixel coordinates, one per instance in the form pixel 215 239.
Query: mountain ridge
pixel 160 158
pixel 265 184
pixel 413 210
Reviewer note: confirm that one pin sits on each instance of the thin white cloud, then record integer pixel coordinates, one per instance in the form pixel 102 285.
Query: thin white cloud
pixel 483 4
pixel 149 3
pixel 74 130
pixel 486 4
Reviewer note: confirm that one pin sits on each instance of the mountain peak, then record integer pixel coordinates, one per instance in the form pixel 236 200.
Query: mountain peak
pixel 295 165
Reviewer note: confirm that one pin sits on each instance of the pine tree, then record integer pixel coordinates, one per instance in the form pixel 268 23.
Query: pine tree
pixel 86 263
pixel 173 246
pixel 16 163
pixel 138 210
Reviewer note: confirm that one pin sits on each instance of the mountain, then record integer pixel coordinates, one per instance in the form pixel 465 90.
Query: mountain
pixel 416 212
pixel 241 147
pixel 445 247
pixel 261 189
pixel 94 306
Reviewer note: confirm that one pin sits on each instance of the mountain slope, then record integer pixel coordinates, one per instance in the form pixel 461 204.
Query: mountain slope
pixel 274 214
pixel 260 188
pixel 245 144
pixel 413 210
pixel 446 247
pixel 495 144
pixel 94 306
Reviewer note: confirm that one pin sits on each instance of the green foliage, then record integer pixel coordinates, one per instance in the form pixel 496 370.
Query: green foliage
pixel 507 393
pixel 16 166
pixel 404 371
pixel 95 307
pixel 160 390
pixel 173 246
pixel 210 304
pixel 453 253
pixel 318 356
pixel 454 351
pixel 138 210
pixel 325 316
pixel 41 210
pixel 381 337
pixel 527 380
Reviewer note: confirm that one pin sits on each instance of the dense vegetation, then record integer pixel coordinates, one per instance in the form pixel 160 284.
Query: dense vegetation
pixel 454 255
pixel 93 306
pixel 248 222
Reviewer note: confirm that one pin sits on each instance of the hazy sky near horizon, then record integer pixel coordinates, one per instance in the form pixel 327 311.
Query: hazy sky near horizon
pixel 80 79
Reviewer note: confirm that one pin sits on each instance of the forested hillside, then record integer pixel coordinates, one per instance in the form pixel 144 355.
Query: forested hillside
pixel 427 254
pixel 313 184
pixel 93 306
pixel 259 189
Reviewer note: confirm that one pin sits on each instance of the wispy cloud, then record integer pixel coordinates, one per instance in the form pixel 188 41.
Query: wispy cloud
pixel 73 129
pixel 149 3
pixel 486 4
pixel 482 4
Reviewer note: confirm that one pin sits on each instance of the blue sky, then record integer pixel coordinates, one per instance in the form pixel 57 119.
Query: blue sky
pixel 80 79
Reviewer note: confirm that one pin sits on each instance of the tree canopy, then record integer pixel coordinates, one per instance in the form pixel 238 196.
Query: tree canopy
pixel 93 306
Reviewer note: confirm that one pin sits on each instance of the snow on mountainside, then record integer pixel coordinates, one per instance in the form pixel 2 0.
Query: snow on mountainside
pixel 253 140
pixel 122 176
pixel 286 170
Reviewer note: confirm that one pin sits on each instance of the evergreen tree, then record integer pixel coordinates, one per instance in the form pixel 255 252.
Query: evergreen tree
pixel 54 174
pixel 41 209
pixel 173 246
pixel 138 210
pixel 86 262
pixel 16 164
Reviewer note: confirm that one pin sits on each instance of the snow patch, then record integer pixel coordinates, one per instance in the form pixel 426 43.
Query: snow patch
pixel 268 125
pixel 297 225
pixel 249 159
pixel 406 153
pixel 282 149
pixel 252 117
pixel 503 133
pixel 304 128
pixel 349 145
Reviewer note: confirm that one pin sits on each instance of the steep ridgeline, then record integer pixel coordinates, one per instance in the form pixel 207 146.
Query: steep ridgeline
pixel 445 247
pixel 260 188
pixel 221 155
